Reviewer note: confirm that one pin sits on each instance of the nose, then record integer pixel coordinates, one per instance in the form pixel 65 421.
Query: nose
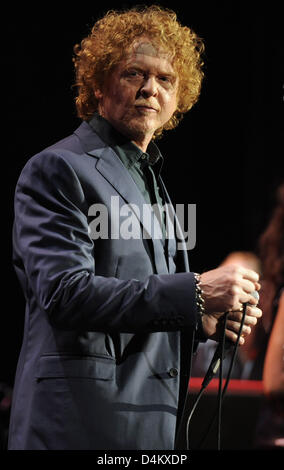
pixel 149 87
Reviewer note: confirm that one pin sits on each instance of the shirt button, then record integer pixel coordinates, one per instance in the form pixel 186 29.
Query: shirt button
pixel 173 372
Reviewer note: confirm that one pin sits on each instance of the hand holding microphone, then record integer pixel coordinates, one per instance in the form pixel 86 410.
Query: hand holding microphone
pixel 228 347
pixel 226 289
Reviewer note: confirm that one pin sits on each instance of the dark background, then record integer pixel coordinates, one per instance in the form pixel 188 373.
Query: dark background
pixel 229 158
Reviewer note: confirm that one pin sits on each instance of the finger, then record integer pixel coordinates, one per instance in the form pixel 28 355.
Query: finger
pixel 235 326
pixel 252 314
pixel 248 298
pixel 235 315
pixel 232 336
pixel 247 285
pixel 241 297
pixel 253 311
pixel 257 286
pixel 249 274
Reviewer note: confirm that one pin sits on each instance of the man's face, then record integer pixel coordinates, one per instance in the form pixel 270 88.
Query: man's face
pixel 140 95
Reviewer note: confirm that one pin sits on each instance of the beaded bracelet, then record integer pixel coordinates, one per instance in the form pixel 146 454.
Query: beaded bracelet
pixel 200 302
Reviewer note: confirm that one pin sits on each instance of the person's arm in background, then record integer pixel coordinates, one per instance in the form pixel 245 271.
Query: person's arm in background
pixel 273 371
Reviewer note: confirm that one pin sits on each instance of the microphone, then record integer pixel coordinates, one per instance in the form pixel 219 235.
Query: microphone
pixel 216 360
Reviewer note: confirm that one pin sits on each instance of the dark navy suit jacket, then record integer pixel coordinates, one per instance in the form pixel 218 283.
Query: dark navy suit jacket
pixel 109 323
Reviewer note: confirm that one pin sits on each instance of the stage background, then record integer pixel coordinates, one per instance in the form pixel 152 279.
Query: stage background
pixel 230 156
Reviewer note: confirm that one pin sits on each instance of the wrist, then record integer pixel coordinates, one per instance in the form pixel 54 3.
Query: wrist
pixel 200 306
pixel 199 295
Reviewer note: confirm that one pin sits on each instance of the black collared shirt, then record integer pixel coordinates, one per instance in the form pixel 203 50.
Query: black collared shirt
pixel 144 168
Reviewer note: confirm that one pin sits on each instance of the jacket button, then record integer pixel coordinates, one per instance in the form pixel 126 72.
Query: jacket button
pixel 173 372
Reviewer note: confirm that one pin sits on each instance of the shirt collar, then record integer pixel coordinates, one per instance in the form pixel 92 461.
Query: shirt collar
pixel 119 142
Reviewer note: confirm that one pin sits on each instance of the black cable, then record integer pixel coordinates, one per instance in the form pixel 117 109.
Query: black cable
pixel 221 393
pixel 200 393
pixel 221 383
pixel 228 377
pixel 235 350
pixel 205 383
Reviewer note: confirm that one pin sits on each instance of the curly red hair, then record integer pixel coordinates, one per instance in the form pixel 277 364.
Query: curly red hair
pixel 112 35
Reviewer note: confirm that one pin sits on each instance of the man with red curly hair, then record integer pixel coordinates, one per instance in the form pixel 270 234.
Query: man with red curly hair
pixel 111 319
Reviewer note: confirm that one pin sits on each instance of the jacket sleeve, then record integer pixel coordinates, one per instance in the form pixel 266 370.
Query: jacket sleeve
pixel 52 244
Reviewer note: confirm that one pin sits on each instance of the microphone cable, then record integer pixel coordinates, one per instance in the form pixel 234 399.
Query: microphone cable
pixel 208 378
pixel 221 382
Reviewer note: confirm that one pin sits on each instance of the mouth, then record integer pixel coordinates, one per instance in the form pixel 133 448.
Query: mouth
pixel 146 109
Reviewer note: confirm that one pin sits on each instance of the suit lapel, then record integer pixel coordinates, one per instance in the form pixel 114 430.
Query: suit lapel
pixel 174 226
pixel 113 170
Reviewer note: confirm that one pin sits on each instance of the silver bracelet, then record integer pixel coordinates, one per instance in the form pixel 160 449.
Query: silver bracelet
pixel 200 302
